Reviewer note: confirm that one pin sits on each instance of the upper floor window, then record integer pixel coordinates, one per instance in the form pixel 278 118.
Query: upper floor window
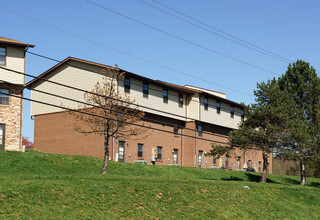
pixel 127 84
pixel 3 54
pixel 4 96
pixel 165 95
pixel 180 100
pixel 242 113
pixel 231 111
pixel 145 89
pixel 176 130
pixel 205 103
pixel 140 150
pixel 218 105
pixel 200 129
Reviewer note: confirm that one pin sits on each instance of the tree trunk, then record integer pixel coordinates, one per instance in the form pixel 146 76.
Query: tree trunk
pixel 265 167
pixel 303 174
pixel 106 153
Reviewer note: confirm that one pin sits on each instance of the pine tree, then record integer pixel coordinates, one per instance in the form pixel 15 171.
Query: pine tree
pixel 302 85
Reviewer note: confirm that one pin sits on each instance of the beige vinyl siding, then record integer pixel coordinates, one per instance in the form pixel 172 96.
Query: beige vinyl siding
pixel 14 61
pixel 155 100
pixel 223 119
pixel 84 79
pixel 68 75
pixel 193 108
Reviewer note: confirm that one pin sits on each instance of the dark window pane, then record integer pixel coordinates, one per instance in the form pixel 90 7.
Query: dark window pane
pixel 159 153
pixel 145 89
pixel 214 161
pixel 180 100
pixel 165 96
pixel 4 96
pixel 140 150
pixel 3 54
pixel 127 84
pixel 242 113
pixel 231 111
pixel 218 107
pixel 205 103
pixel 200 130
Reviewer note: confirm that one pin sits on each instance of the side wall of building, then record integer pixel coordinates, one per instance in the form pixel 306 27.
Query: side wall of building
pixel 11 118
pixel 15 61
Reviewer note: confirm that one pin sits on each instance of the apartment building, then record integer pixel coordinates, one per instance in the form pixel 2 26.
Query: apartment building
pixel 185 120
pixel 12 56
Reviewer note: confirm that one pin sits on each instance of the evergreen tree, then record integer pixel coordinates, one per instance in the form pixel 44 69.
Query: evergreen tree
pixel 302 85
pixel 265 119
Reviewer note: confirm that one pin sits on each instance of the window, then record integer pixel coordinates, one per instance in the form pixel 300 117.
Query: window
pixel 3 54
pixel 239 162
pixel 4 96
pixel 180 100
pixel 121 151
pixel 200 155
pixel 259 166
pixel 159 153
pixel 231 111
pixel 127 84
pixel 227 161
pixel 165 96
pixel 140 150
pixel 218 107
pixel 145 90
pixel 242 113
pixel 175 156
pixel 214 159
pixel 2 135
pixel 200 130
pixel 176 130
pixel 205 103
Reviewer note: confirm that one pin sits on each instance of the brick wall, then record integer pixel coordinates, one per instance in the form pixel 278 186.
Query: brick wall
pixel 54 133
pixel 11 117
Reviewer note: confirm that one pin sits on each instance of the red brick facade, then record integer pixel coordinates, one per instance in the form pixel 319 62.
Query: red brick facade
pixel 54 133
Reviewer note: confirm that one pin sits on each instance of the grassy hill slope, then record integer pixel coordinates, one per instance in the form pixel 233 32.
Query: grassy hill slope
pixel 46 186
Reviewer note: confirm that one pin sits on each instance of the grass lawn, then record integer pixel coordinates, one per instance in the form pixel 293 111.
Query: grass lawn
pixel 36 185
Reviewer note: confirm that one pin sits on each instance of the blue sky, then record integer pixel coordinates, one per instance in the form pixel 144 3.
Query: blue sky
pixel 288 28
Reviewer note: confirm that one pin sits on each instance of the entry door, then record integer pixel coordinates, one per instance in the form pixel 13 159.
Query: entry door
pixel 2 137
pixel 175 156
pixel 121 151
pixel 200 157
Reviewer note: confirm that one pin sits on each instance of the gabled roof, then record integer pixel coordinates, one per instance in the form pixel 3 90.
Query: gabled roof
pixel 133 75
pixel 12 42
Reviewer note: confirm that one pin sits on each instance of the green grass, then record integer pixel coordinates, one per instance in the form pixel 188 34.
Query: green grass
pixel 36 185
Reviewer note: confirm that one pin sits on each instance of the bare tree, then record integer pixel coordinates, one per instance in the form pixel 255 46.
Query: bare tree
pixel 113 114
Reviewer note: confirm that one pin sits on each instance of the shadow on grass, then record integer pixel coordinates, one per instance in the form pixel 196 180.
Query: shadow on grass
pixel 314 184
pixel 256 178
pixel 232 178
pixel 292 181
